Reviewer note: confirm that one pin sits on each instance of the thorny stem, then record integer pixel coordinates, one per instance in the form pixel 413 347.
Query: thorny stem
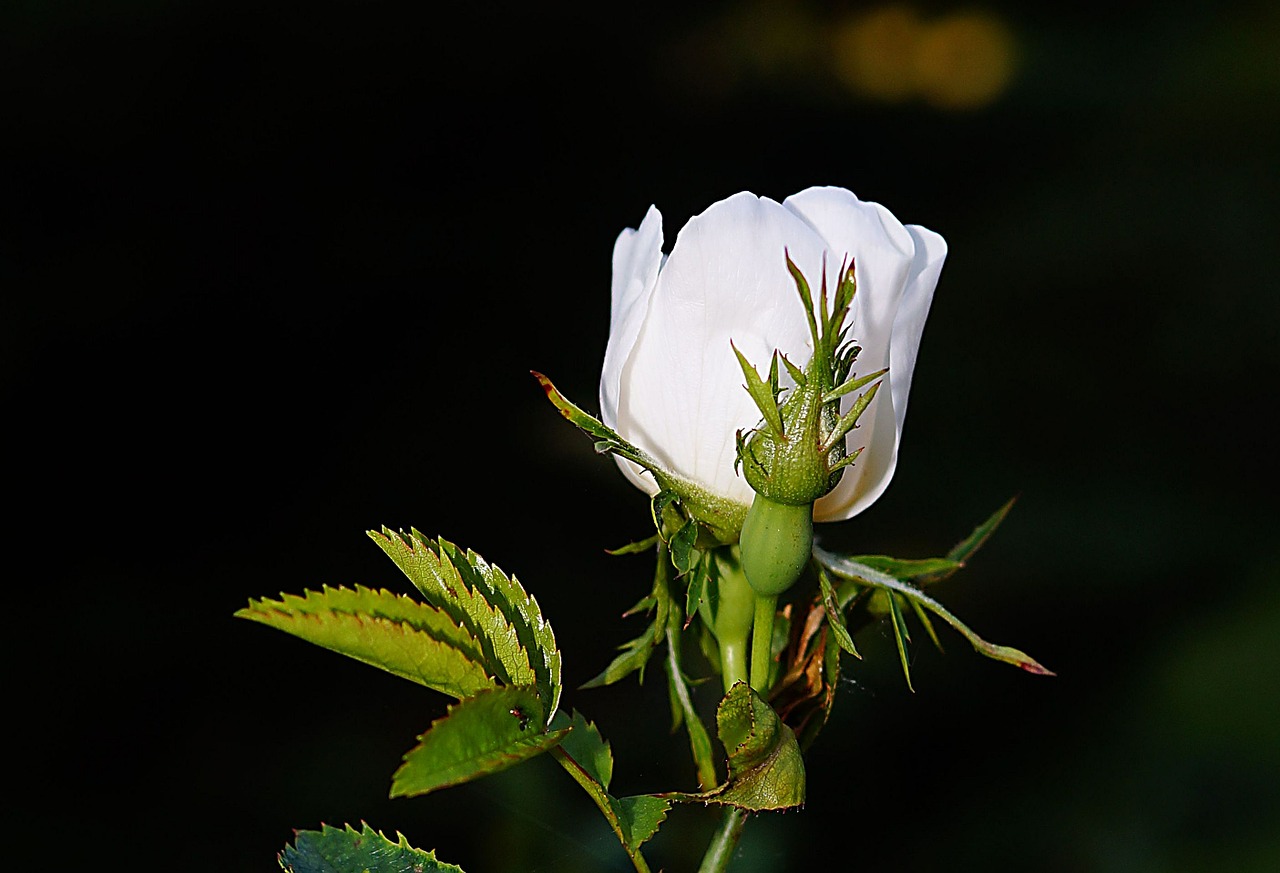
pixel 720 852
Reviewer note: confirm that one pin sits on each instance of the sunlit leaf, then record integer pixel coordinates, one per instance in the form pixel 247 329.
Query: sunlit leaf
pixel 399 635
pixel 346 850
pixel 484 734
pixel 442 585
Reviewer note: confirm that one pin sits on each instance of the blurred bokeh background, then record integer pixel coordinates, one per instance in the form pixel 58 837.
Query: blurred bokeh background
pixel 275 274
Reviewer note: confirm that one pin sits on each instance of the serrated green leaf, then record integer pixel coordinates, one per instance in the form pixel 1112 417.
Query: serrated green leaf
pixel 484 734
pixel 521 609
pixel 405 638
pixel 346 850
pixel 639 817
pixel 766 769
pixel 584 744
pixel 433 573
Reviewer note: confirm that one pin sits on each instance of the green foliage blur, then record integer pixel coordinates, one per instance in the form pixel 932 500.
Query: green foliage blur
pixel 275 274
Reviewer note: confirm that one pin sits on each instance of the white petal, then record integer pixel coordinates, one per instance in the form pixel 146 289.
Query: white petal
pixel 880 429
pixel 637 256
pixel 682 396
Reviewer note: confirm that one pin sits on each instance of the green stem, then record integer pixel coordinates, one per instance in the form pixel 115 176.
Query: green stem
pixel 720 852
pixel 762 643
pixel 601 799
pixel 733 662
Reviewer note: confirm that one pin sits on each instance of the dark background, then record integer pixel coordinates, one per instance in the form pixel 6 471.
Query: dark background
pixel 275 274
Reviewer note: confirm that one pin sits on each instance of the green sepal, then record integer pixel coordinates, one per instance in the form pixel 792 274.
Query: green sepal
pixel 721 517
pixel 766 399
pixel 849 420
pixel 587 758
pixel 346 850
pixel 852 385
pixel 484 734
pixel 766 769
pixel 797 375
pixel 395 633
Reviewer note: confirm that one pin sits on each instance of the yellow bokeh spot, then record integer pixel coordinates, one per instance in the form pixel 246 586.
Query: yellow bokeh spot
pixel 875 53
pixel 964 61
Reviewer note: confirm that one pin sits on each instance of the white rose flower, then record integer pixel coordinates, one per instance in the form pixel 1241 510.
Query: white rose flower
pixel 672 385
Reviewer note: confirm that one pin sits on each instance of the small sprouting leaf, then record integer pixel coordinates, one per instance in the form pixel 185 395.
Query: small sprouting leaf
pixel 390 631
pixel 346 850
pixel 635 653
pixel 639 817
pixel 766 770
pixel 699 580
pixel 834 616
pixel 683 554
pixel 484 734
